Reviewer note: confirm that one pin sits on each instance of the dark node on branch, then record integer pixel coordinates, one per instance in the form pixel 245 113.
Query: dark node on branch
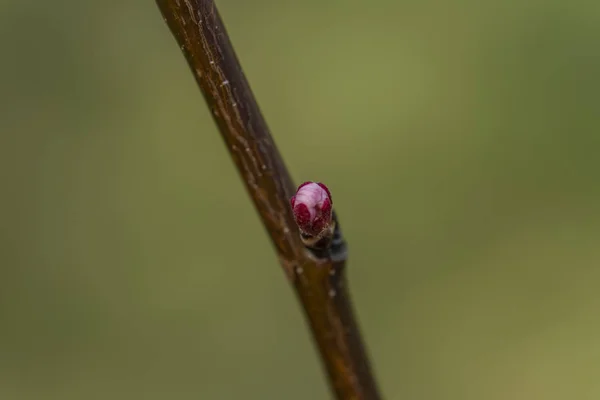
pixel 338 250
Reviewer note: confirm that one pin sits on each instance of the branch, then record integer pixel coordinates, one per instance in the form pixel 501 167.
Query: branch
pixel 318 276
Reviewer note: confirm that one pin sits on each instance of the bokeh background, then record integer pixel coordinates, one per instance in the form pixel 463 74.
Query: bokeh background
pixel 460 140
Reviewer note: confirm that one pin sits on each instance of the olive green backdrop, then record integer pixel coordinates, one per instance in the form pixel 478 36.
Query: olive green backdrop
pixel 461 143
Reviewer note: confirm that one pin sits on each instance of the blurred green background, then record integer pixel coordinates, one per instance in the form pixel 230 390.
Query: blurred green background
pixel 460 141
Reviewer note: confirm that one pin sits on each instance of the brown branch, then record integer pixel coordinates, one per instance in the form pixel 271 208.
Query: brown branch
pixel 319 279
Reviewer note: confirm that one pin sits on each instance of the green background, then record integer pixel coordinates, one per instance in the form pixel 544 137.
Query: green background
pixel 460 141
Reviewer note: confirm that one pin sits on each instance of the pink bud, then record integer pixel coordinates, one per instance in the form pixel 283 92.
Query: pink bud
pixel 312 206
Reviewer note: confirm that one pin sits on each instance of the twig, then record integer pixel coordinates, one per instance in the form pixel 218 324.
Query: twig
pixel 318 278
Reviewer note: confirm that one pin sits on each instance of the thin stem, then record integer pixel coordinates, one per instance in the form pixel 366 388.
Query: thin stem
pixel 318 278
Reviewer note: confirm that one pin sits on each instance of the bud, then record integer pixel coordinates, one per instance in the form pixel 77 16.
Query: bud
pixel 312 207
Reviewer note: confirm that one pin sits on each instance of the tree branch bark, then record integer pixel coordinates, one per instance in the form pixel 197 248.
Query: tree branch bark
pixel 318 278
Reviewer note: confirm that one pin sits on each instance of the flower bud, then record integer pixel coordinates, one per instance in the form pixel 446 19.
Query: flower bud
pixel 312 207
